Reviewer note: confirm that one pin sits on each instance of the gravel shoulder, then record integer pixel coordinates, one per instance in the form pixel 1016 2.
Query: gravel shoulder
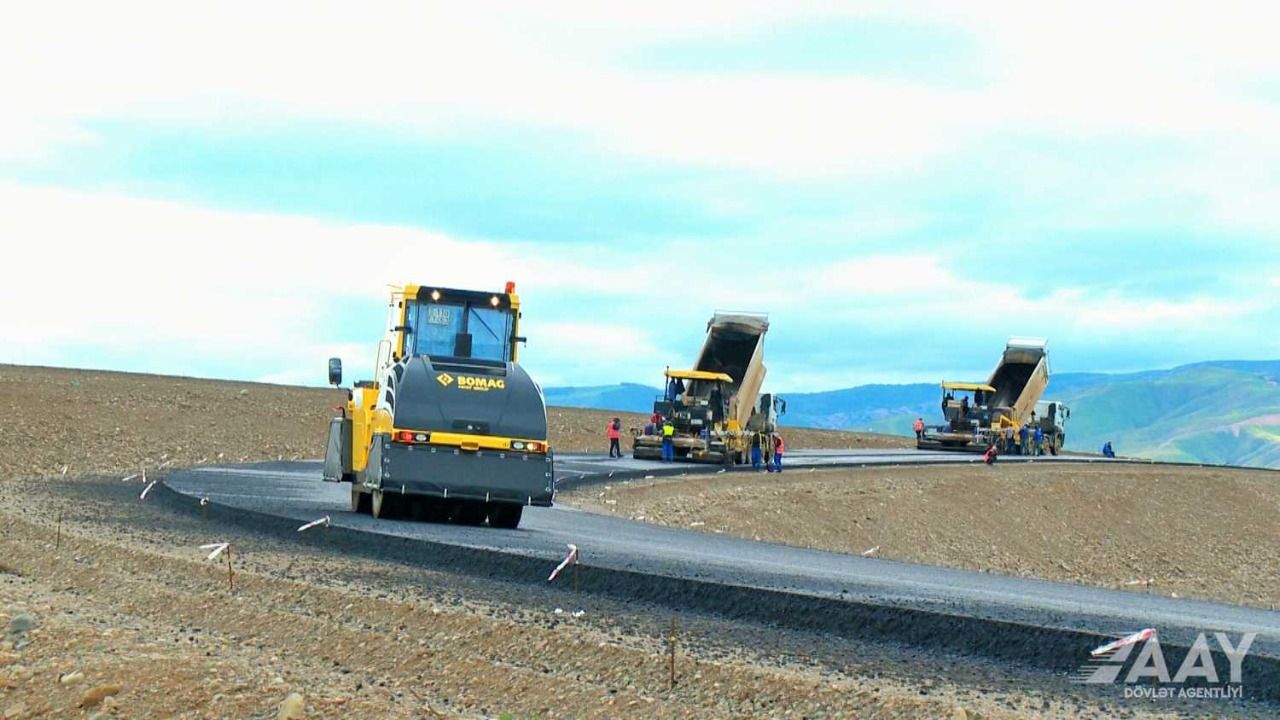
pixel 1191 532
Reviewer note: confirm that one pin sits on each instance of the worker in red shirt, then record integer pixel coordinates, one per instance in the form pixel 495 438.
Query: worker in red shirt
pixel 614 433
pixel 919 428
pixel 779 446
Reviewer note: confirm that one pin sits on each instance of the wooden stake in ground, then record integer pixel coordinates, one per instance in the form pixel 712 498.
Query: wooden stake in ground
pixel 57 543
pixel 672 640
pixel 216 550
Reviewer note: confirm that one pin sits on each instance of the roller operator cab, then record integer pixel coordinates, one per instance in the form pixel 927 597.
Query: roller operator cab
pixel 453 428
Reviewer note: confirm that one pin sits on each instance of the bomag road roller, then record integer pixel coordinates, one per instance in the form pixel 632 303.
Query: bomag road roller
pixel 452 428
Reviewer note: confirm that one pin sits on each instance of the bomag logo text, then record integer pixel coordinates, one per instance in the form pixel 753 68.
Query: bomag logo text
pixel 481 384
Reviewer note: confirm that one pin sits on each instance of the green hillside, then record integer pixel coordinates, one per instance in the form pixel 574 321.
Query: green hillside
pixel 1201 413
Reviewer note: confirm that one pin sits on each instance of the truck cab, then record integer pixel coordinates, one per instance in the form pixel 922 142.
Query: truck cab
pixel 1052 416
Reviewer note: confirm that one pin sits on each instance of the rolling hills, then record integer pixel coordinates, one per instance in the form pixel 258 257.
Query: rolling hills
pixel 1214 412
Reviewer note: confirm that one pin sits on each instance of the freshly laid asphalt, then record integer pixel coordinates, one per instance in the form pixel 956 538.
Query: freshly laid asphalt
pixel 1044 623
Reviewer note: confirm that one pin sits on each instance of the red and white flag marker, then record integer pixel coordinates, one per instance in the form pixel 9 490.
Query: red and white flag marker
pixel 315 523
pixel 1140 636
pixel 217 549
pixel 570 559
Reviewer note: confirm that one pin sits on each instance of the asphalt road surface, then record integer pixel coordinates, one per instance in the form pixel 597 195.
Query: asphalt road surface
pixel 295 491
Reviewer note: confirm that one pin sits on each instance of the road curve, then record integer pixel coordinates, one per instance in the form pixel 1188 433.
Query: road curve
pixel 1046 623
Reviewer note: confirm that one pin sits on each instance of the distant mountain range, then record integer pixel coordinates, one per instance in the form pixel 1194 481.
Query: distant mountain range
pixel 1213 412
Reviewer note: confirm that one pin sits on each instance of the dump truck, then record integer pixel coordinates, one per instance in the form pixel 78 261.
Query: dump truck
pixel 452 428
pixel 976 414
pixel 717 409
pixel 1052 417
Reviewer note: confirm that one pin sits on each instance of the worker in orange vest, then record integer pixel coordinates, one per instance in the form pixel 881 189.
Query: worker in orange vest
pixel 919 428
pixel 614 433
pixel 778 448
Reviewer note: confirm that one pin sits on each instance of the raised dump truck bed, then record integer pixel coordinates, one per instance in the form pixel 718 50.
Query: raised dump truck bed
pixel 975 414
pixel 1020 379
pixel 735 346
pixel 716 408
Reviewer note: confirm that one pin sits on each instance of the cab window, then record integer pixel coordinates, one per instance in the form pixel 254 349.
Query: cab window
pixel 439 330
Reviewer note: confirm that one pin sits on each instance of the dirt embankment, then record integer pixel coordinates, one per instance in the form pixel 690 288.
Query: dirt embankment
pixel 1193 532
pixel 91 421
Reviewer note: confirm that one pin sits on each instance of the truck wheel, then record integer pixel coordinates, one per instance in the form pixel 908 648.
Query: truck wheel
pixel 381 505
pixel 505 515
pixel 359 500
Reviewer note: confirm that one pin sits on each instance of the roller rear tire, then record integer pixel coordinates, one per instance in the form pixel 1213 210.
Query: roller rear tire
pixel 359 500
pixel 505 515
pixel 382 505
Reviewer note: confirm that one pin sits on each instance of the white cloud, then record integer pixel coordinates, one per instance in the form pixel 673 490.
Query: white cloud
pixel 886 275
pixel 131 277
pixel 917 290
pixel 593 352
pixel 443 68
pixel 162 286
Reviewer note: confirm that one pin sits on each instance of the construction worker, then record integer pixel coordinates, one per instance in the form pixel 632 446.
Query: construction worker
pixel 614 433
pixel 779 446
pixel 1008 440
pixel 919 428
pixel 1024 440
pixel 1107 451
pixel 755 452
pixel 1039 441
pixel 989 457
pixel 675 388
pixel 668 442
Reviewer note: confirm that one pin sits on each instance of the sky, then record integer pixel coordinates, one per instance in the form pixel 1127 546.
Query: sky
pixel 229 189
